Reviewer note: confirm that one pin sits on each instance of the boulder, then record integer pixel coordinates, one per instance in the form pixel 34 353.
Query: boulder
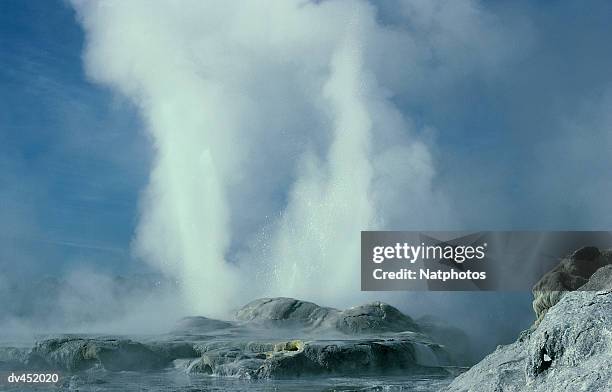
pixel 569 350
pixel 285 312
pixel 375 317
pixel 569 275
pixel 372 318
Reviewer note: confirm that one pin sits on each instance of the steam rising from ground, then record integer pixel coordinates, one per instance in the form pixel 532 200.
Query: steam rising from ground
pixel 276 134
pixel 89 301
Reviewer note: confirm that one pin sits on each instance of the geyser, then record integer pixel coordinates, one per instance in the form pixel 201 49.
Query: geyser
pixel 276 135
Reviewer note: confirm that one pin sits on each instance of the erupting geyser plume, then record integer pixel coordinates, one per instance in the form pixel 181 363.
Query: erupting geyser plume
pixel 276 135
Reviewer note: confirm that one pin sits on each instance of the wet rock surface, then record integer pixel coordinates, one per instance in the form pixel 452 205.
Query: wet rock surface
pixel 76 353
pixel 570 349
pixel 297 358
pixel 271 338
pixel 372 318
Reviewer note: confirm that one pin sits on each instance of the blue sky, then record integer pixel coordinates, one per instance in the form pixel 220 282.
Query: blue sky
pixel 72 159
pixel 528 147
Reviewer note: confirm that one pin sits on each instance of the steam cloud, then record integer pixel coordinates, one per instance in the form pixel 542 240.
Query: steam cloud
pixel 277 135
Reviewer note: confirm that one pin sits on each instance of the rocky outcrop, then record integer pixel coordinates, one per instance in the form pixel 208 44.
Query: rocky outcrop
pixel 600 281
pixel 374 338
pixel 75 353
pixel 286 312
pixel 375 317
pixel 297 358
pixel 372 318
pixel 569 350
pixel 571 274
pixel 271 338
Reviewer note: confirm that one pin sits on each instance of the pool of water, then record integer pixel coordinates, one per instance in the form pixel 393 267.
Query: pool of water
pixel 174 380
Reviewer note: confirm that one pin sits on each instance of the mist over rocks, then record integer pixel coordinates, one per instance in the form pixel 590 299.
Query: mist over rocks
pixel 13 357
pixel 374 338
pixel 74 354
pixel 87 301
pixel 569 349
pixel 77 353
pixel 200 324
pixel 461 348
pixel 270 338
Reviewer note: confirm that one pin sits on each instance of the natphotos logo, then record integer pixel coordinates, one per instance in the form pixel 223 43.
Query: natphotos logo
pixel 467 261
pixel 411 253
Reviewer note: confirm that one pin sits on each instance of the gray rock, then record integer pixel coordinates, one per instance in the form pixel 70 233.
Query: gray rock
pixel 290 359
pixel 372 318
pixel 286 312
pixel 299 339
pixel 570 349
pixel 375 317
pixel 571 274
pixel 600 281
pixel 76 353
pixel 374 338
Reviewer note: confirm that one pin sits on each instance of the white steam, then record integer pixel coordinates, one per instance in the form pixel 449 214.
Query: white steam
pixel 276 134
pixel 331 202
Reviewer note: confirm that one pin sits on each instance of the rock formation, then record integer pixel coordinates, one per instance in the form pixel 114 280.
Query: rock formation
pixel 375 338
pixel 571 273
pixel 76 353
pixel 569 348
pixel 372 318
pixel 270 338
pixel 297 358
